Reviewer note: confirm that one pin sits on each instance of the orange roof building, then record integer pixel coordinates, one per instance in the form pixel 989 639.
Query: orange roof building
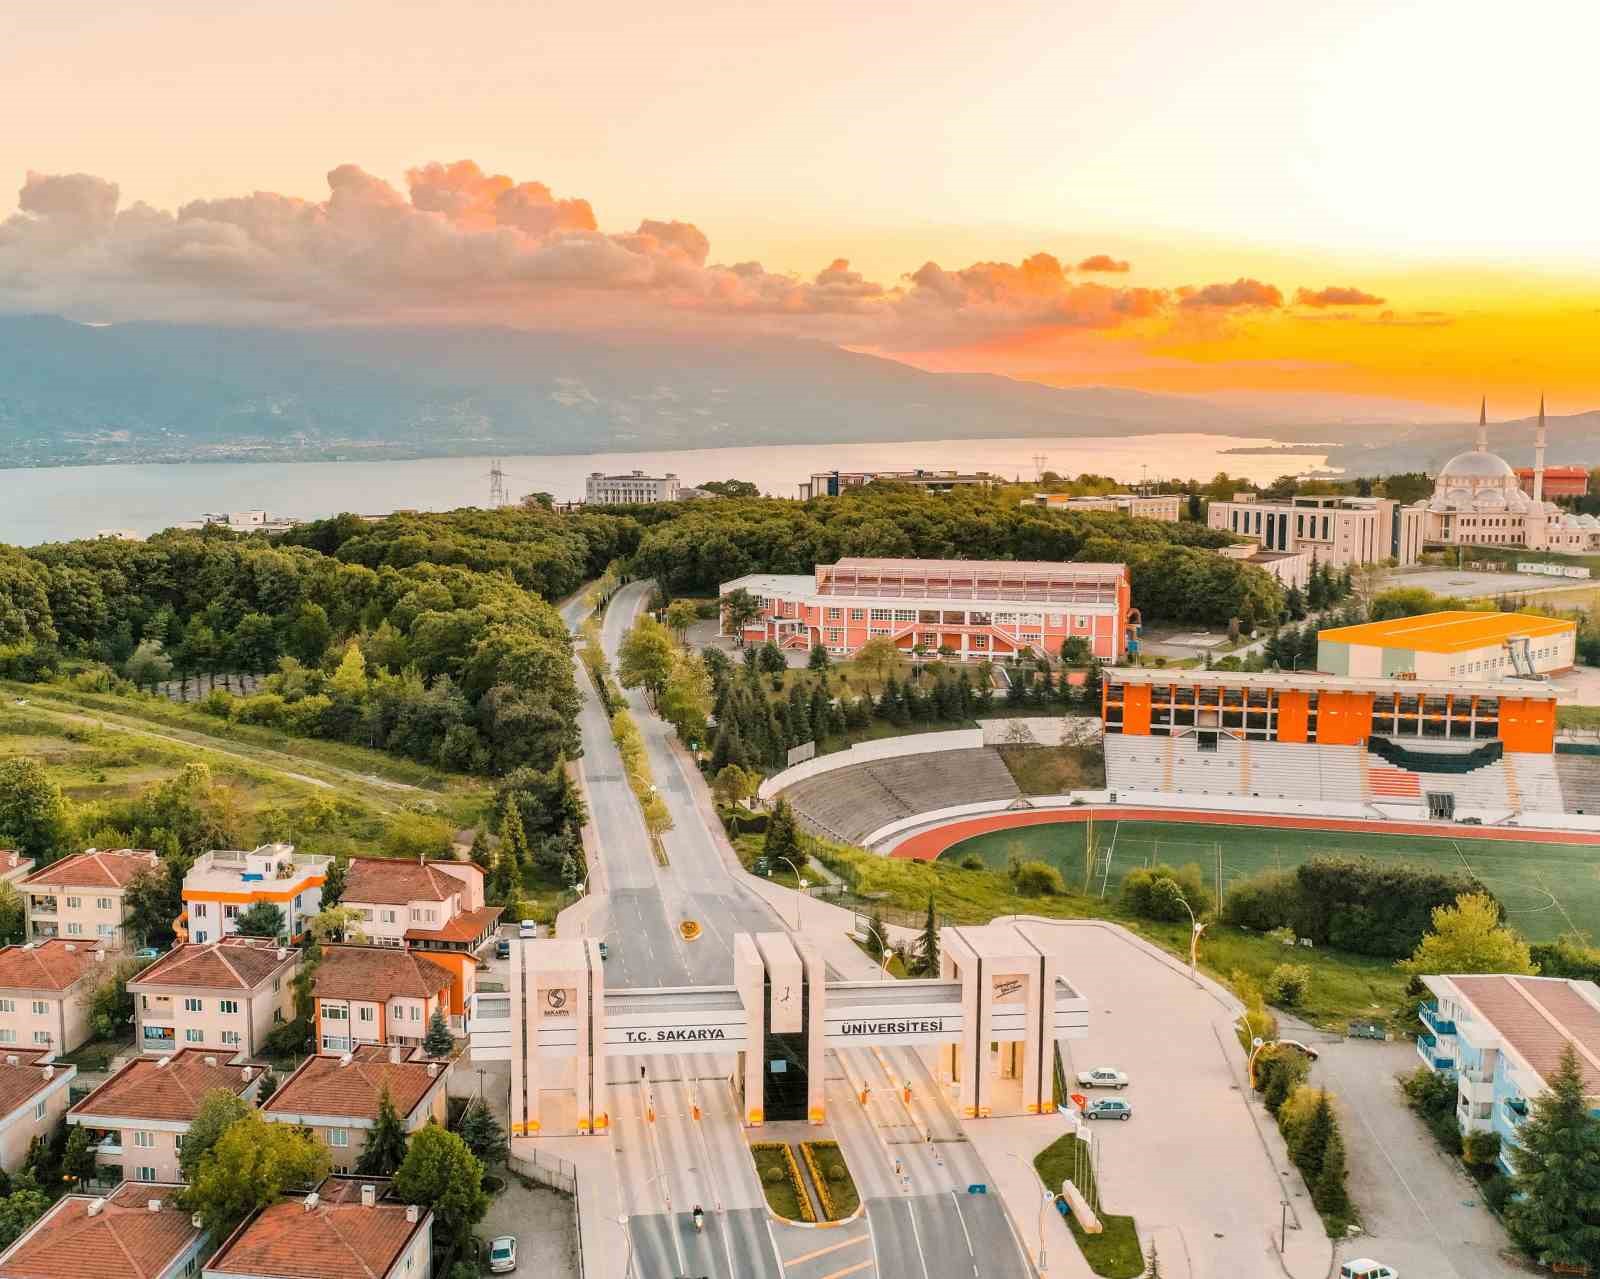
pixel 224 996
pixel 379 995
pixel 348 1228
pixel 1459 645
pixel 34 1094
pixel 81 897
pixel 42 989
pixel 136 1232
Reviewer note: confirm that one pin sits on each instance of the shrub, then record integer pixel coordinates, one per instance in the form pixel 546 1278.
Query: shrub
pixel 494 1185
pixel 1360 905
pixel 1497 1191
pixel 1289 984
pixel 773 1176
pixel 1039 879
pixel 836 1172
pixel 1480 1151
pixel 1144 893
pixel 972 861
pixel 1279 1072
pixel 1263 901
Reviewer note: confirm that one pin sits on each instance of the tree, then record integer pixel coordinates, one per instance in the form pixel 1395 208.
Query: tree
pixel 151 901
pixel 109 1004
pixel 513 838
pixel 310 634
pixel 685 702
pixel 440 1173
pixel 733 785
pixel 878 656
pixel 1329 1193
pixel 927 951
pixel 386 1141
pixel 337 923
pixel 819 660
pixel 771 659
pixel 263 919
pixel 20 1209
pixel 438 1042
pixel 681 615
pixel 219 1110
pixel 78 1160
pixel 33 814
pixel 1555 1213
pixel 13 915
pixel 1469 938
pixel 1075 650
pixel 415 835
pixel 333 882
pixel 350 680
pixel 252 1164
pixel 739 609
pixel 783 836
pixel 149 665
pixel 1310 1145
pixel 645 658
pixel 482 1132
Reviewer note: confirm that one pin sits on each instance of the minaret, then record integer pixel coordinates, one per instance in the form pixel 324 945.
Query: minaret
pixel 1483 425
pixel 1538 457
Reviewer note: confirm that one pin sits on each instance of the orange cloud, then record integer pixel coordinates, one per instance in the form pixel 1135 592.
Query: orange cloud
pixel 1335 295
pixel 1104 262
pixel 1243 292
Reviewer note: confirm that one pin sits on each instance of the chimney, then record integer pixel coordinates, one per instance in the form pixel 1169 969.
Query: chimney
pixel 162 1062
pixel 247 1074
pixel 283 953
pixel 311 1201
pixel 71 948
pixel 212 1062
pixel 413 1214
pixel 155 1205
pixel 11 1059
pixel 197 1221
pixel 395 1052
pixel 369 1196
pixel 346 1058
pixel 95 1208
pixel 29 945
pixel 433 1070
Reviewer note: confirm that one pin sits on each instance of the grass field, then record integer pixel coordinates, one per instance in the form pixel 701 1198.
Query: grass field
pixel 1547 889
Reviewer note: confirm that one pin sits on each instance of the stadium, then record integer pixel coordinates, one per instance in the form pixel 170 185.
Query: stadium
pixel 1239 772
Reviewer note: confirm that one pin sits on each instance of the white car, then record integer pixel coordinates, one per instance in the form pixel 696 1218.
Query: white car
pixel 1367 1268
pixel 503 1255
pixel 527 929
pixel 1102 1077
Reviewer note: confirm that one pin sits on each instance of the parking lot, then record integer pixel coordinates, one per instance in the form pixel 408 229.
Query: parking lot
pixel 1197 1165
pixel 542 1221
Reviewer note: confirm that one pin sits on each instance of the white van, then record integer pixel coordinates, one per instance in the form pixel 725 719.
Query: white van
pixel 1367 1268
pixel 527 929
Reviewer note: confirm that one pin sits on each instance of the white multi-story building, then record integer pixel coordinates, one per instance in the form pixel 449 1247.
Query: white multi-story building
pixel 1335 530
pixel 223 884
pixel 618 490
pixel 1141 506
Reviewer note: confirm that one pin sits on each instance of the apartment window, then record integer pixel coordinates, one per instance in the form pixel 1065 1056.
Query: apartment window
pixel 389 916
pixel 194 1036
pixel 229 1006
pixel 144 1139
pixel 102 903
pixel 905 615
pixel 230 1036
pixel 338 1136
pixel 74 929
pixel 416 1013
pixel 192 1005
pixel 835 636
pixel 366 1014
pixel 144 1174
pixel 882 614
pixel 230 912
pixel 335 1013
pixel 105 930
pixel 858 614
pixel 40 1008
pixel 74 902
pixel 7 1035
pixel 8 1005
pixel 198 910
pixel 835 614
pixel 41 1037
pixel 38 1110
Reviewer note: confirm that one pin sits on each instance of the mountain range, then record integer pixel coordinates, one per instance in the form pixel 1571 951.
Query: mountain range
pixel 72 393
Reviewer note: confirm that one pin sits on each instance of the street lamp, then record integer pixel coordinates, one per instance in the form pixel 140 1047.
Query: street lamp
pixel 1196 928
pixel 801 881
pixel 884 948
pixel 1045 1198
pixel 628 1235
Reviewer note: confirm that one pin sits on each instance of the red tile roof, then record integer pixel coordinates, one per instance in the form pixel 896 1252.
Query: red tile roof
pixel 327 1085
pixel 234 963
pixel 339 1238
pixel 168 1088
pixel 378 974
pixel 122 1240
pixel 391 882
pixel 94 868
pixel 56 964
pixel 468 926
pixel 1538 1017
pixel 27 1078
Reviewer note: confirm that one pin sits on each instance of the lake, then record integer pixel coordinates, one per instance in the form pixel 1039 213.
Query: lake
pixel 49 504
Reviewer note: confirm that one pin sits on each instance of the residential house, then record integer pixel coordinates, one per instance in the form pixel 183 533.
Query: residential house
pixel 348 1228
pixel 1502 1037
pixel 14 867
pixel 378 995
pixel 44 988
pixel 224 883
pixel 226 996
pixel 33 1097
pixel 83 896
pixel 137 1119
pixel 337 1097
pixel 135 1232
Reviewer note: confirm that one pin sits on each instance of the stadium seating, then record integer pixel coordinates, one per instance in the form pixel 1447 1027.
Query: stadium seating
pixel 1579 777
pixel 849 803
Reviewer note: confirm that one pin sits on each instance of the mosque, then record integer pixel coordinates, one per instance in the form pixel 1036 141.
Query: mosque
pixel 1478 501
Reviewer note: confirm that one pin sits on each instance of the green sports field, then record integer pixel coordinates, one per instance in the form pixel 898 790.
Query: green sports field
pixel 1547 889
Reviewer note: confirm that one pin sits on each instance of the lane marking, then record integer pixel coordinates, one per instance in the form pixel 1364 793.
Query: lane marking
pixel 823 1252
pixel 917 1236
pixel 848 1270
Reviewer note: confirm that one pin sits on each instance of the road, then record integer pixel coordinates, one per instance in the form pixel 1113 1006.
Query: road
pixel 919 1222
pixel 1422 1213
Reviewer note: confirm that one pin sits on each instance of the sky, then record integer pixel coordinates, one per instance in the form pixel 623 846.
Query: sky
pixel 1389 202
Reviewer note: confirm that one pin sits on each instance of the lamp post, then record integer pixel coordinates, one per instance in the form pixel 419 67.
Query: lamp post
pixel 1196 928
pixel 884 948
pixel 800 880
pixel 1045 1197
pixel 628 1235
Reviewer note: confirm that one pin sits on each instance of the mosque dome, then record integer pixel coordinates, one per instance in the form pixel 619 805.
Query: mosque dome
pixel 1476 466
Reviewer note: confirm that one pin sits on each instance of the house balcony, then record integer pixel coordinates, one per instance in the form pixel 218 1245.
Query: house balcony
pixel 1433 1057
pixel 1514 1110
pixel 1429 1013
pixel 1475 1086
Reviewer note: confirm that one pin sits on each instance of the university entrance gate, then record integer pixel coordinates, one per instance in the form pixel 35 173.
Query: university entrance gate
pixel 993 1015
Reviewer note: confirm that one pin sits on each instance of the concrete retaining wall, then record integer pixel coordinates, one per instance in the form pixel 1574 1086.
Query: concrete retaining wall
pixel 961 739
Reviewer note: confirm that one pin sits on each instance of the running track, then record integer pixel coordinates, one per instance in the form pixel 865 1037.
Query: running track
pixel 926 845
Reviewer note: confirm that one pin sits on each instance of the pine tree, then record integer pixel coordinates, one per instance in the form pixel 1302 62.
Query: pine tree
pixel 1329 1193
pixel 1313 1144
pixel 1555 1213
pixel 569 871
pixel 438 1042
pixel 783 839
pixel 513 838
pixel 877 935
pixel 482 1132
pixel 481 855
pixel 928 944
pixel 386 1139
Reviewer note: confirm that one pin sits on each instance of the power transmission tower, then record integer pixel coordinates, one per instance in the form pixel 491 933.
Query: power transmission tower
pixel 1039 459
pixel 497 485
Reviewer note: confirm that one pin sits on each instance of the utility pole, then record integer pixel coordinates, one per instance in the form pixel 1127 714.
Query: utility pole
pixel 497 485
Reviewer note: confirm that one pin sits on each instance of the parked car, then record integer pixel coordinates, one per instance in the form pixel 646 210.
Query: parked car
pixel 503 1255
pixel 147 952
pixel 502 948
pixel 604 953
pixel 1102 1077
pixel 1108 1108
pixel 528 928
pixel 1367 1268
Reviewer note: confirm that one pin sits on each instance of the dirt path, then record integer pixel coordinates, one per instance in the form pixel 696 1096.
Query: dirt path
pixel 379 790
